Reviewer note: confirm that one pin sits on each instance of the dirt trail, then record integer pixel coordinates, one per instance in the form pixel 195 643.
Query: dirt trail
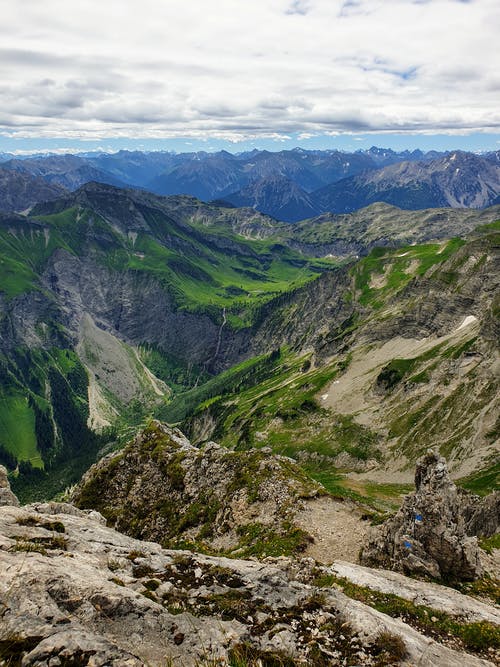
pixel 337 528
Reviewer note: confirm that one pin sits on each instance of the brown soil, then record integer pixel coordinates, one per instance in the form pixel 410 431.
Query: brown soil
pixel 337 528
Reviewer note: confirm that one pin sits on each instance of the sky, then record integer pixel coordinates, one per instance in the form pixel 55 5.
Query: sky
pixel 211 74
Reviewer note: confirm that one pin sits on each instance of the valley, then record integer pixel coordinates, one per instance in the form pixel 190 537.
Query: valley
pixel 121 305
pixel 250 334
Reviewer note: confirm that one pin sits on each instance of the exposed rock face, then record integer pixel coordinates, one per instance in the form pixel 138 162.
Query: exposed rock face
pixel 75 592
pixel 481 515
pixel 430 533
pixel 428 594
pixel 6 495
pixel 20 191
pixel 415 185
pixel 163 488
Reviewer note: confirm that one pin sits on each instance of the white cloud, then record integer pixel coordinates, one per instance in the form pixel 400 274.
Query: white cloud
pixel 235 70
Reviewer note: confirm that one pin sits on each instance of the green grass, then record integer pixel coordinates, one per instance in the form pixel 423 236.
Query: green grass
pixel 283 407
pixel 490 227
pixel 490 543
pixel 476 637
pixel 484 589
pixel 247 373
pixel 333 481
pixel 15 276
pixel 39 387
pixel 17 428
pixel 287 393
pixel 310 428
pixel 379 499
pixel 483 482
pixel 260 541
pixel 395 266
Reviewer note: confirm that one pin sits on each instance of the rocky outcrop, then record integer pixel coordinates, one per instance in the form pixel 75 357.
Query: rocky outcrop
pixel 430 534
pixel 73 591
pixel 6 495
pixel 481 515
pixel 161 487
pixel 425 594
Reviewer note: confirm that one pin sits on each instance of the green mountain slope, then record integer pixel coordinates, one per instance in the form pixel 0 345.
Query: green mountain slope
pixel 118 281
pixel 116 305
pixel 408 359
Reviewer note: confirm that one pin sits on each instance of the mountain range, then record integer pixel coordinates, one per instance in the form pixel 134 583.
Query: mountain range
pixel 20 191
pixel 117 303
pixel 287 185
pixel 458 180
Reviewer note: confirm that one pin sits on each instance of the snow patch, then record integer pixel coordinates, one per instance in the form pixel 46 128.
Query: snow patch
pixel 468 320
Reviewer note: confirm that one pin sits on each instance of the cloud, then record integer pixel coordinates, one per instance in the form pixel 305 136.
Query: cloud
pixel 261 69
pixel 301 7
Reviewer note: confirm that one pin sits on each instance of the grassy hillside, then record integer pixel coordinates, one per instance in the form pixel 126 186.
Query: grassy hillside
pixel 204 267
pixel 17 428
pixel 386 271
pixel 44 387
pixel 43 418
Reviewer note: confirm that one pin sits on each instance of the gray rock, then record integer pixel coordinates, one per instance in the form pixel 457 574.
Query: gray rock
pixel 6 495
pixel 94 600
pixel 430 534
pixel 428 594
pixel 481 515
pixel 85 647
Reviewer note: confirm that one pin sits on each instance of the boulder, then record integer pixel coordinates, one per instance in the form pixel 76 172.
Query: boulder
pixel 430 534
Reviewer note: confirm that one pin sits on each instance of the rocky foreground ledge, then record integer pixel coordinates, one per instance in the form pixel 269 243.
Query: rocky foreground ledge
pixel 74 592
